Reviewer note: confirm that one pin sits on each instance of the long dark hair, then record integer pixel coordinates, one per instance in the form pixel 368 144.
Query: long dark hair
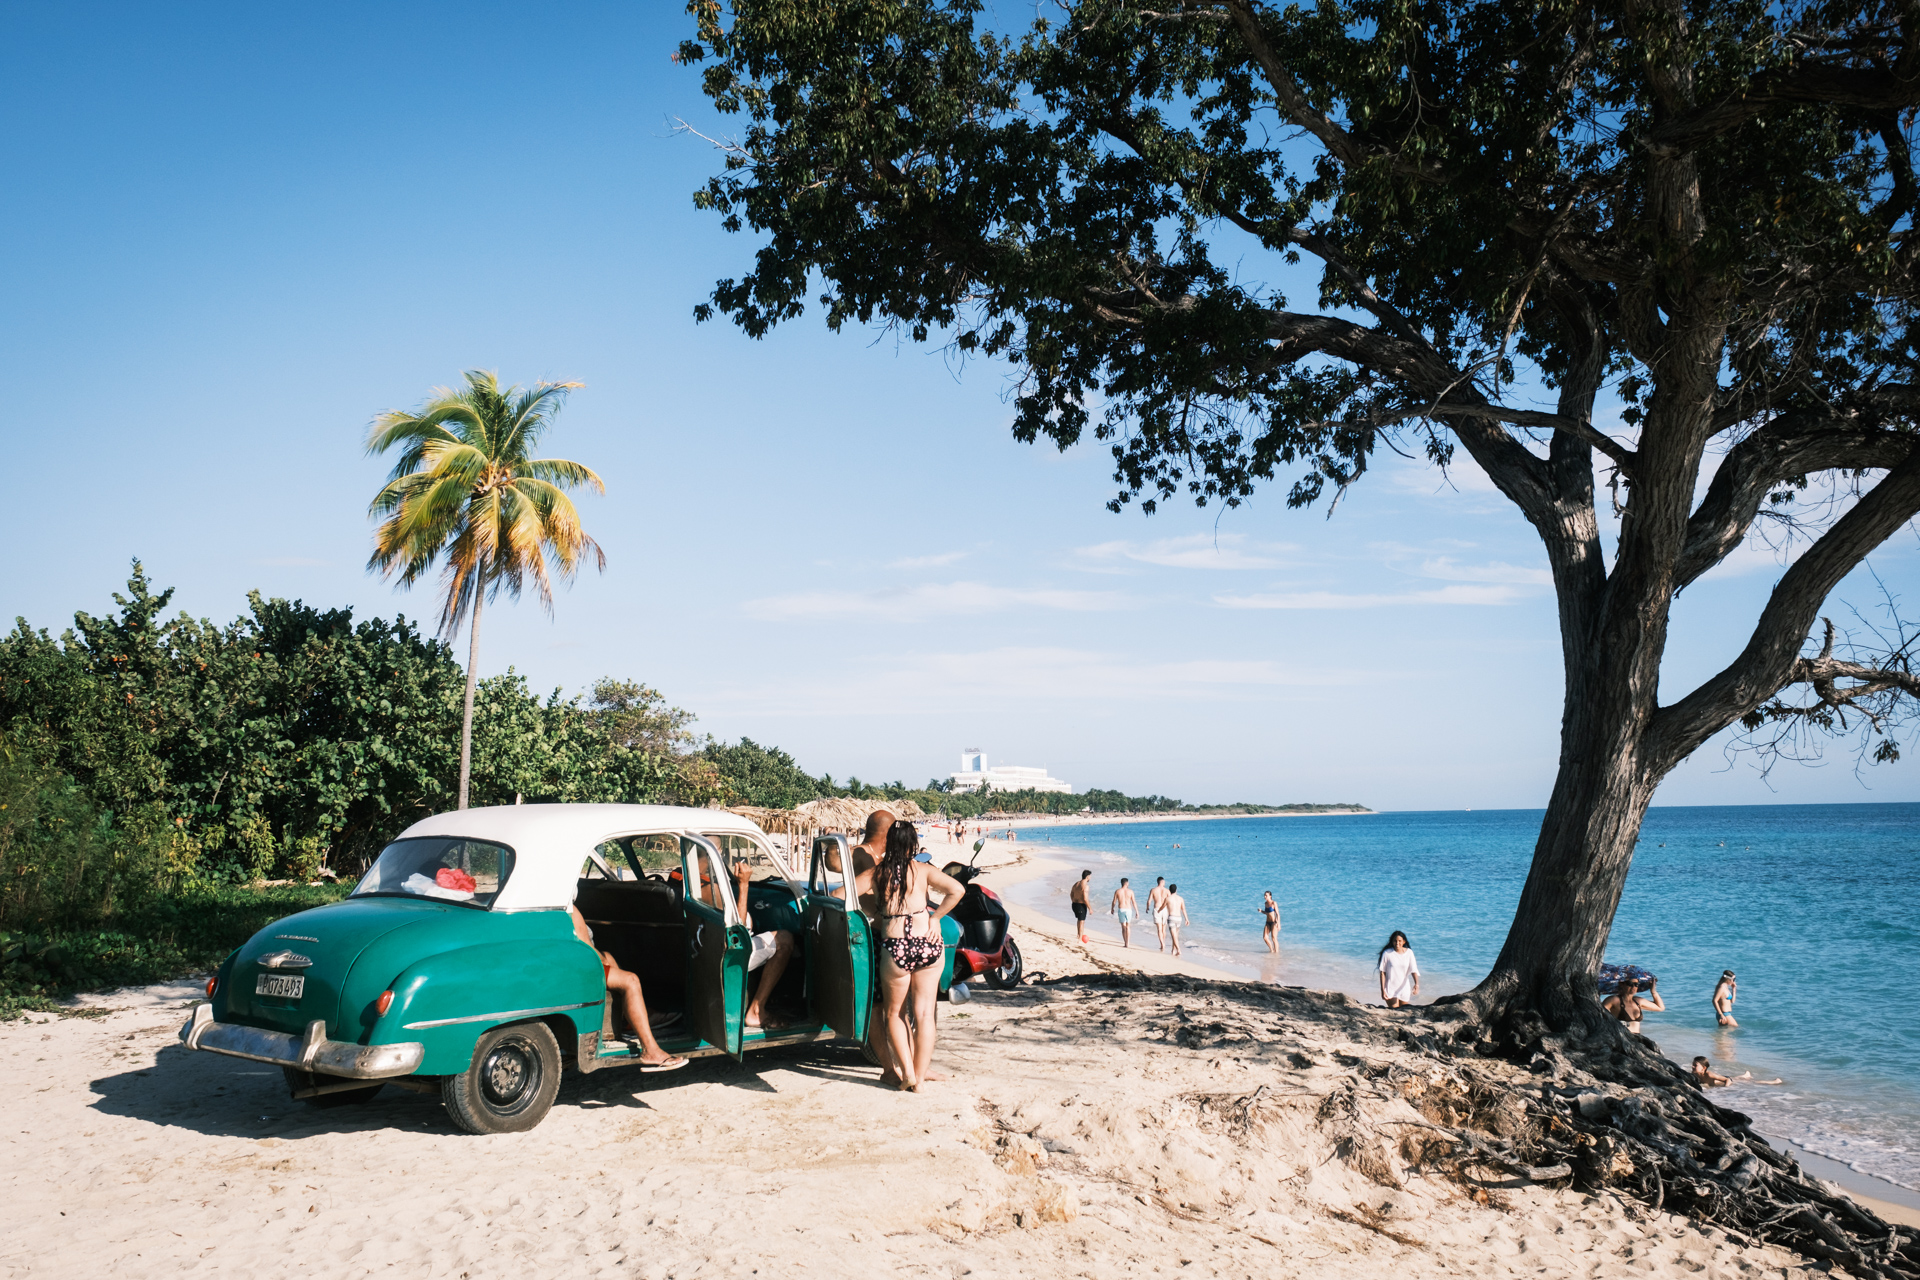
pixel 896 864
pixel 1390 937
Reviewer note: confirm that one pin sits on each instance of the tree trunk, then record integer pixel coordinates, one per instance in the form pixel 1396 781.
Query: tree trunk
pixel 466 715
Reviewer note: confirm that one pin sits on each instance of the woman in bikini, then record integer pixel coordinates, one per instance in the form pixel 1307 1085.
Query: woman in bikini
pixel 911 949
pixel 1630 1006
pixel 1270 923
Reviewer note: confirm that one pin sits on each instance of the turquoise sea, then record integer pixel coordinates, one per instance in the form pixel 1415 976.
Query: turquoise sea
pixel 1812 905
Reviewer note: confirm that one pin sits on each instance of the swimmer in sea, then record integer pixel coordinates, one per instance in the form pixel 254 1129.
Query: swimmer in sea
pixel 1724 993
pixel 1270 923
pixel 1706 1077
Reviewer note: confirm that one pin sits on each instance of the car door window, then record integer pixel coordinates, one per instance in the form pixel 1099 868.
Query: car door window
pixel 654 857
pixel 709 884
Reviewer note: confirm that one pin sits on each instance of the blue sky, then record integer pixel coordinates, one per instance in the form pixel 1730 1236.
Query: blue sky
pixel 233 234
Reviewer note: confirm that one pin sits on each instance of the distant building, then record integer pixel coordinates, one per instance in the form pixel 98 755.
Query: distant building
pixel 974 774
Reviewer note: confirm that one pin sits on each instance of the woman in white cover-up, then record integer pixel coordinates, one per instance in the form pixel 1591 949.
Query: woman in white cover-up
pixel 1399 972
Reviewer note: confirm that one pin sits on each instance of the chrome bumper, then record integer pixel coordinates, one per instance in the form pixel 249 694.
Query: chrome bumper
pixel 311 1052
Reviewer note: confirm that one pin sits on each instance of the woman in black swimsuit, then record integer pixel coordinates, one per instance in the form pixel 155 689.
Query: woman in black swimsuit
pixel 911 949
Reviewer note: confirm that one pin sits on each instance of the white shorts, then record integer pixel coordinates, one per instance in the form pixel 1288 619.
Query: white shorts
pixel 762 950
pixel 1162 916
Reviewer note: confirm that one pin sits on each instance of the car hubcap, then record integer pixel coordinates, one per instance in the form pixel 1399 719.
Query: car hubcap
pixel 507 1075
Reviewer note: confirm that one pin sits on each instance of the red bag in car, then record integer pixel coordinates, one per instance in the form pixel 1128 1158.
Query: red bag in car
pixel 454 878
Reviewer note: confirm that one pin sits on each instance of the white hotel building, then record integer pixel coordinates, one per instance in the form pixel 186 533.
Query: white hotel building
pixel 974 774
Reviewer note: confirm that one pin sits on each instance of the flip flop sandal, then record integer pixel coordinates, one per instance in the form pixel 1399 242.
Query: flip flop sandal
pixel 671 1064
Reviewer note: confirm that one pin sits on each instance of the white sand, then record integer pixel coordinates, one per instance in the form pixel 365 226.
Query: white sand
pixel 1085 1131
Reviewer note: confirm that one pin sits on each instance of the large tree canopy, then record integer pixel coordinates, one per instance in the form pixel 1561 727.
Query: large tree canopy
pixel 1698 211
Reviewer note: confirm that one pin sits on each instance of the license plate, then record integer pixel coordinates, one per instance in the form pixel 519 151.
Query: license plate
pixel 275 984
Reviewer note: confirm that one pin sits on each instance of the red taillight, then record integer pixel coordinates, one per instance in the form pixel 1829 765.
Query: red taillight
pixel 384 1003
pixel 212 982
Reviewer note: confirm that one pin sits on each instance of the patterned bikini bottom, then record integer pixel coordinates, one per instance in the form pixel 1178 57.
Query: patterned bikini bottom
pixel 914 954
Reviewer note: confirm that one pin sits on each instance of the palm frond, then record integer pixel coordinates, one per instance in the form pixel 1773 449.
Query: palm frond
pixel 565 474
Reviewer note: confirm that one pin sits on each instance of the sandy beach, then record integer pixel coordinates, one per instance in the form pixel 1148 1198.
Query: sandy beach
pixel 1094 1122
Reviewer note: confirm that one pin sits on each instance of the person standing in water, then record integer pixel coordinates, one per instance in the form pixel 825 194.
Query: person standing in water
pixel 1078 896
pixel 1724 993
pixel 1157 905
pixel 1124 906
pixel 1270 923
pixel 1399 972
pixel 1176 915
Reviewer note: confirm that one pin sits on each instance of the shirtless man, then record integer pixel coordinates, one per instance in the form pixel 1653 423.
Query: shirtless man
pixel 1125 907
pixel 1078 897
pixel 625 987
pixel 1176 915
pixel 1157 906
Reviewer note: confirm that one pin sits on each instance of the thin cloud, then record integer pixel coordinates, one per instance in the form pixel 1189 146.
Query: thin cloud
pixel 1458 595
pixel 1193 551
pixel 928 600
pixel 291 562
pixel 927 562
pixel 921 682
pixel 1447 569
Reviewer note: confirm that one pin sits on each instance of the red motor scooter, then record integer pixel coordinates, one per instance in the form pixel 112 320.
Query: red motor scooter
pixel 986 948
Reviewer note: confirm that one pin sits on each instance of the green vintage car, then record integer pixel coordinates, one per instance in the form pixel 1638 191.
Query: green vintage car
pixel 453 966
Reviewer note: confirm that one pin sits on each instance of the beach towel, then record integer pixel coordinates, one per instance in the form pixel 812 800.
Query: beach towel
pixel 1612 975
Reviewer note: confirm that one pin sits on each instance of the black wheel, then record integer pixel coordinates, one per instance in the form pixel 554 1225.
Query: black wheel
pixel 298 1080
pixel 511 1083
pixel 1008 974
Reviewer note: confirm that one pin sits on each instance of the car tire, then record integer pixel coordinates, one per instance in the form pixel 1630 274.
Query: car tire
pixel 1008 974
pixel 298 1080
pixel 510 1085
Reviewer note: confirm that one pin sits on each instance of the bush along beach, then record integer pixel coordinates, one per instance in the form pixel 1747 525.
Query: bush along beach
pixel 172 784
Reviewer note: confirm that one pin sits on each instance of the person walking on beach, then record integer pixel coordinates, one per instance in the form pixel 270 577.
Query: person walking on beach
pixel 910 951
pixel 1078 896
pixel 1176 915
pixel 1724 992
pixel 1157 904
pixel 1124 907
pixel 1399 972
pixel 1270 923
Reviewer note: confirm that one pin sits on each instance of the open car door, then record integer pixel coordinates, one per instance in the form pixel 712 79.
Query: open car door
pixel 718 944
pixel 840 954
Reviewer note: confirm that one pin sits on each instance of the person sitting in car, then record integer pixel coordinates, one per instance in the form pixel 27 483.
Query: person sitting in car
pixel 624 986
pixel 776 928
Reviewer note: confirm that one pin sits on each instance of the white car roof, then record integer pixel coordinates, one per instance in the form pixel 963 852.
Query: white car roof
pixel 550 841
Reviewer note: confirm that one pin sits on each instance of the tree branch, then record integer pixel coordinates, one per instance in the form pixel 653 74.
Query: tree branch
pixel 1286 90
pixel 1820 83
pixel 1792 445
pixel 1772 656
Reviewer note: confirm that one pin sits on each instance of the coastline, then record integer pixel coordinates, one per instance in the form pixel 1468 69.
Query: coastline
pixel 1021 864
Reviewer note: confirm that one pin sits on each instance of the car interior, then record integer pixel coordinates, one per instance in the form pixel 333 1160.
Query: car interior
pixel 630 891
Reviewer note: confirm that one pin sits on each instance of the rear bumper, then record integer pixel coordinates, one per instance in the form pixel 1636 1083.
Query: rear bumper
pixel 311 1052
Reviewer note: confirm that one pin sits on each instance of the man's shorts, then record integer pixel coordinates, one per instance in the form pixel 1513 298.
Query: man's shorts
pixel 1079 911
pixel 767 921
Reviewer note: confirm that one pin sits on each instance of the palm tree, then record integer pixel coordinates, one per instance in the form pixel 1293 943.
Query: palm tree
pixel 467 486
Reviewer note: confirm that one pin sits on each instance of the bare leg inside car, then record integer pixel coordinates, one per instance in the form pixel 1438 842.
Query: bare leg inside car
pixel 770 972
pixel 624 987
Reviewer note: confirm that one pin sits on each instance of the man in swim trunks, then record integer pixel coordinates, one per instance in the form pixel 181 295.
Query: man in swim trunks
pixel 1124 906
pixel 1078 896
pixel 1176 915
pixel 1157 904
pixel 624 986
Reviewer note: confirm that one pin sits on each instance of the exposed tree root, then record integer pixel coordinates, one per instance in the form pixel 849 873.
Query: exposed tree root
pixel 1611 1112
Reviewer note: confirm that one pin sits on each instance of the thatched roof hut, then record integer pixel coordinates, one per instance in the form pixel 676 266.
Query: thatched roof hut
pixel 840 814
